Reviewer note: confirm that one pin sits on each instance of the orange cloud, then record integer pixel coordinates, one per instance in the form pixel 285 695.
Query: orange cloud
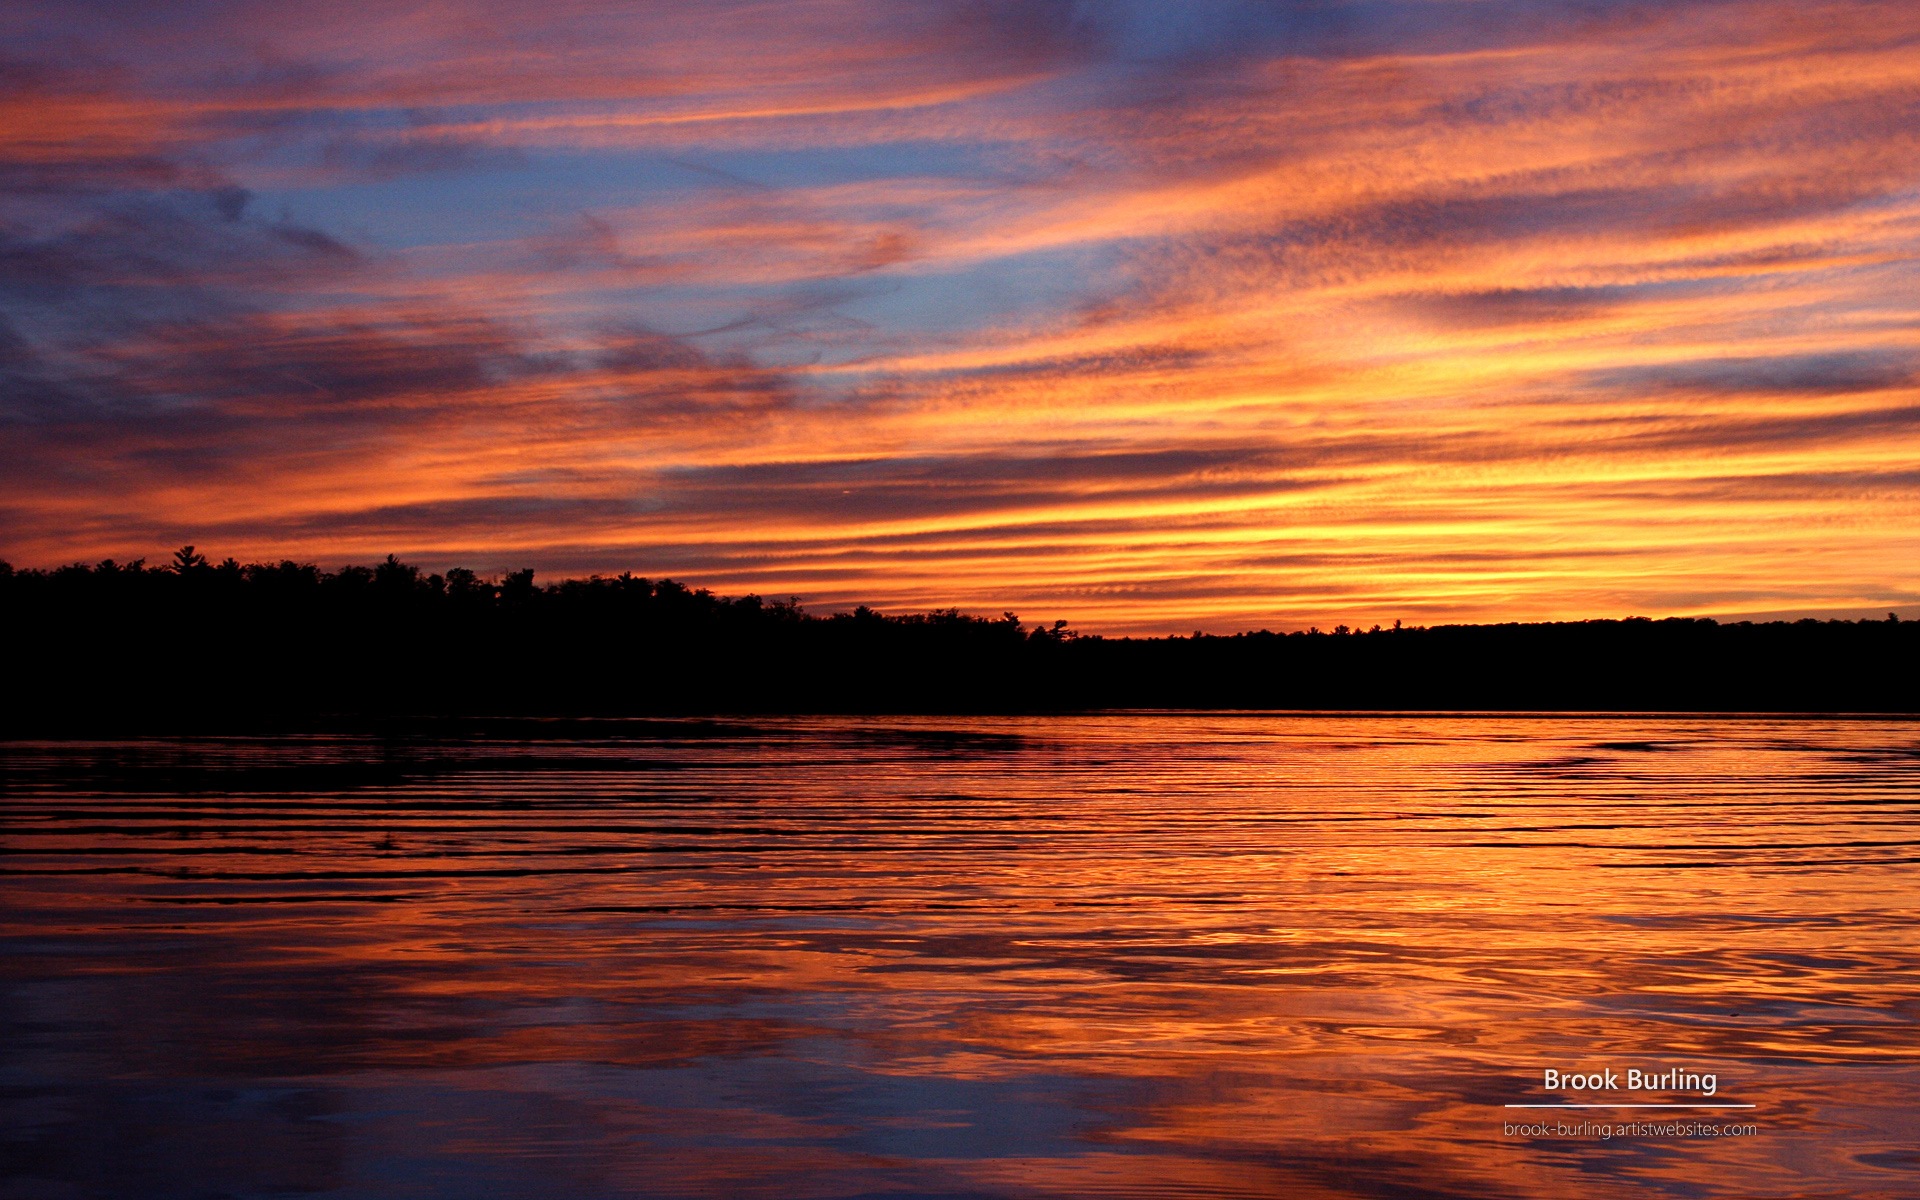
pixel 1274 320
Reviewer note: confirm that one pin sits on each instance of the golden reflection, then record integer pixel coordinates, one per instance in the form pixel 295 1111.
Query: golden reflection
pixel 1073 957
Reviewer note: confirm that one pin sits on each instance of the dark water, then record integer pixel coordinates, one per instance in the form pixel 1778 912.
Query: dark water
pixel 1134 956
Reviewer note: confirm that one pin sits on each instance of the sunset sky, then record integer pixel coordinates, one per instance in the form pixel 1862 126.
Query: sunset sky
pixel 1153 316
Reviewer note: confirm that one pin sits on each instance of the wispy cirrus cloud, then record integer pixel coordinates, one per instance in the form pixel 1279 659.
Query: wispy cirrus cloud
pixel 1227 314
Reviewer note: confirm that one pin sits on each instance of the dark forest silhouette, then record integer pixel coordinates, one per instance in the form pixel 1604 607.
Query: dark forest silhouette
pixel 194 641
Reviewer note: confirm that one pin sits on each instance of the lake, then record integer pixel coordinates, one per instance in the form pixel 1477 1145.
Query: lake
pixel 1100 956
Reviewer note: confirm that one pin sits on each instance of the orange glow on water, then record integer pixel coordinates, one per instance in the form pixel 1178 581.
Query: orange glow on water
pixel 1061 957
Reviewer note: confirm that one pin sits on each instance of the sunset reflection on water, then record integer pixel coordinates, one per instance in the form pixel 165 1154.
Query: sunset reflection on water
pixel 1193 955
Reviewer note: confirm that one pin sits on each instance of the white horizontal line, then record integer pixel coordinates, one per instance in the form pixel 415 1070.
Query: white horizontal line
pixel 1629 1106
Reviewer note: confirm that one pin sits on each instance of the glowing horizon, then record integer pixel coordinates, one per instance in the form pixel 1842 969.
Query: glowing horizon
pixel 1240 316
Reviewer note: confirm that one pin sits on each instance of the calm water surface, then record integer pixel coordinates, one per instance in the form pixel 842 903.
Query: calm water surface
pixel 1108 956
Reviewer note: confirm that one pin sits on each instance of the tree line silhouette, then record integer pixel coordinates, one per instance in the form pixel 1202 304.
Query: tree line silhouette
pixel 194 641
